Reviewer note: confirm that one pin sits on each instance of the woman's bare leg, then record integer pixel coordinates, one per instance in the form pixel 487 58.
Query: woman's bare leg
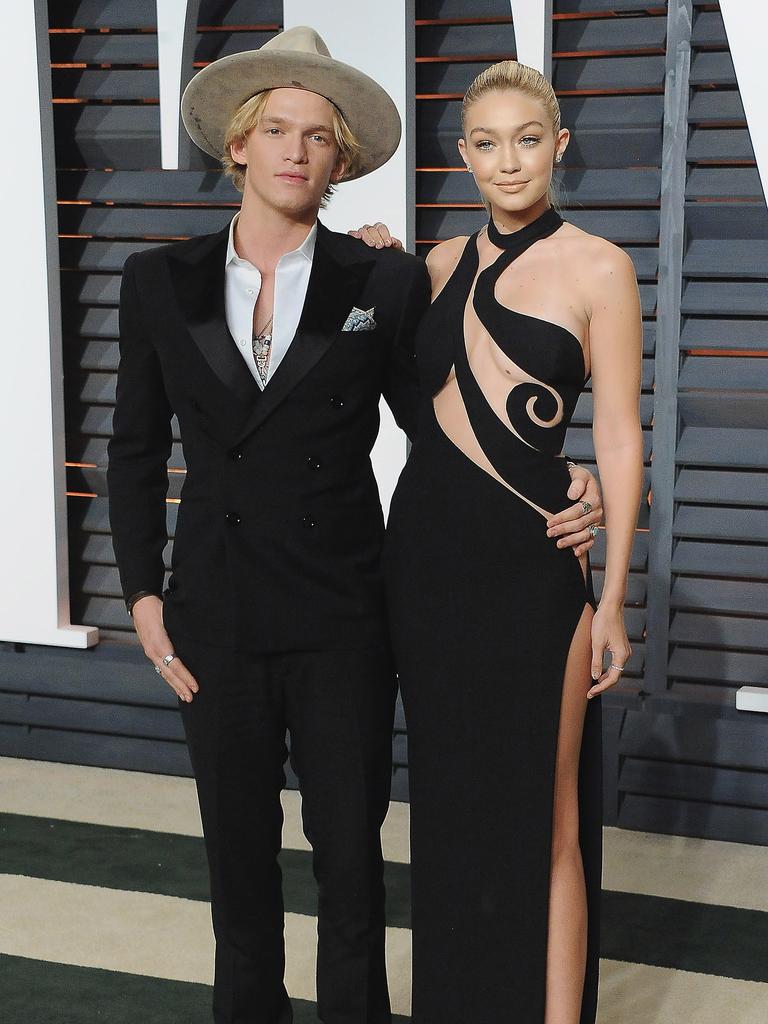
pixel 567 945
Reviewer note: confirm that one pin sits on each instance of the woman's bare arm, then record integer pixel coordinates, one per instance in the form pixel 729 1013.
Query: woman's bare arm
pixel 615 339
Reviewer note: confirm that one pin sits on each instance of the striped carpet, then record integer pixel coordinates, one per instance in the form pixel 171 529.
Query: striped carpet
pixel 104 916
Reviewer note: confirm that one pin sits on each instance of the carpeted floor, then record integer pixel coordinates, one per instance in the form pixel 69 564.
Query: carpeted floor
pixel 105 918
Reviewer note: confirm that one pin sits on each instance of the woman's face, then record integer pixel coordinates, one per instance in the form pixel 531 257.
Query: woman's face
pixel 510 148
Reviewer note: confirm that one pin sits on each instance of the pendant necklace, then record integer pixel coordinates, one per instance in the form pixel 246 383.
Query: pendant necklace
pixel 262 343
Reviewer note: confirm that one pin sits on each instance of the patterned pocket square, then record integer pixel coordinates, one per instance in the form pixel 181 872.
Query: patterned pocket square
pixel 360 320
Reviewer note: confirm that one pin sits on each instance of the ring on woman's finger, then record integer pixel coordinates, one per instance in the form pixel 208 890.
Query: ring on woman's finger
pixel 586 506
pixel 619 668
pixel 168 659
pixel 158 670
pixel 592 530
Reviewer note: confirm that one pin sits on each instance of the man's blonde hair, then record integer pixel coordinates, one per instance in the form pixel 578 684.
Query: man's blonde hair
pixel 250 113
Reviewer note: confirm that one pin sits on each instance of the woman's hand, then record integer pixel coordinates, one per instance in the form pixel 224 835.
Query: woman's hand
pixel 377 236
pixel 608 633
pixel 573 525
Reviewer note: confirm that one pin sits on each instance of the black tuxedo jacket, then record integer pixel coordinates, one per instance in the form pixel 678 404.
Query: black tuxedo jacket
pixel 280 526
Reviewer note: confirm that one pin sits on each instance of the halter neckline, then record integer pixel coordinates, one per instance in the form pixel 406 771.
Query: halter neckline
pixel 546 223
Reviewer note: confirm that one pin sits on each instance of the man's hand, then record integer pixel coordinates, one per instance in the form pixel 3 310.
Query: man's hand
pixel 148 620
pixel 571 526
pixel 377 236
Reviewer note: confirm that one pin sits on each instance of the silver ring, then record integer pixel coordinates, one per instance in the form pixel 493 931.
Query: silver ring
pixel 619 668
pixel 168 659
pixel 157 669
pixel 586 506
pixel 592 531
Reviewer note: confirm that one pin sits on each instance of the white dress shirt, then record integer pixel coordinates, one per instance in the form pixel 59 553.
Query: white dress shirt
pixel 242 285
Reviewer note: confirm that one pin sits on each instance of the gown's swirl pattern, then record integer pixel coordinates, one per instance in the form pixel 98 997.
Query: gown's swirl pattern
pixel 523 450
pixel 484 609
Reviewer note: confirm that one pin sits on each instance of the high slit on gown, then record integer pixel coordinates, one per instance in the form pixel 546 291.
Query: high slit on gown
pixel 483 610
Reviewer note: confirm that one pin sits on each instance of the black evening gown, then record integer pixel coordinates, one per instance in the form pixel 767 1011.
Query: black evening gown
pixel 483 610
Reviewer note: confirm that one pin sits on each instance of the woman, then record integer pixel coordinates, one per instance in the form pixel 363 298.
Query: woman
pixel 496 629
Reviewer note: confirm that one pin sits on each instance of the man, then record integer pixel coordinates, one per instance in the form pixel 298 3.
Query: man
pixel 272 341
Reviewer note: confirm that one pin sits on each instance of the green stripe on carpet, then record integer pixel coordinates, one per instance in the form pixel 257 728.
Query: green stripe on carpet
pixel 157 862
pixel 687 936
pixel 40 992
pixel 652 930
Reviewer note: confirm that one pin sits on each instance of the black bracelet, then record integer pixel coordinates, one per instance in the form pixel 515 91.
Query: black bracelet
pixel 137 597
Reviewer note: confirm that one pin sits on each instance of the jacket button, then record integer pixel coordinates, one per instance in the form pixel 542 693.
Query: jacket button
pixel 236 454
pixel 233 518
pixel 313 462
pixel 337 402
pixel 195 404
pixel 307 522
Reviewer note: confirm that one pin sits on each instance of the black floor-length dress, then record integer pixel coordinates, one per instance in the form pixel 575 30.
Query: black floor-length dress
pixel 483 610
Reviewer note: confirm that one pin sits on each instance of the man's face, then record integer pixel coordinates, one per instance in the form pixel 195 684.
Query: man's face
pixel 291 154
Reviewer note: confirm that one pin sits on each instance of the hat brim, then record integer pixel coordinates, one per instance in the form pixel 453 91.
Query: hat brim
pixel 216 93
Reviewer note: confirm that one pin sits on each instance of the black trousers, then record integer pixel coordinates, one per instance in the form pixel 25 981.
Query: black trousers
pixel 338 707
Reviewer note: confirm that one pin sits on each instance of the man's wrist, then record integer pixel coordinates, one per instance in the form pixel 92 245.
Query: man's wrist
pixel 137 597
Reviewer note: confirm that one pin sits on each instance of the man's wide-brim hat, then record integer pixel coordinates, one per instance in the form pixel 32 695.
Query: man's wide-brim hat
pixel 295 59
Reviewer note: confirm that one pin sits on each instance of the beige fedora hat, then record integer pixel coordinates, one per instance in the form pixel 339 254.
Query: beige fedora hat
pixel 295 59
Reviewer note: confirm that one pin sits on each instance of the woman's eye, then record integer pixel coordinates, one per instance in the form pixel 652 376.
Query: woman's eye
pixel 530 140
pixel 484 145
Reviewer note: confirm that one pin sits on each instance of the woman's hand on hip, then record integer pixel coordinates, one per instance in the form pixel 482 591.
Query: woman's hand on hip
pixel 576 526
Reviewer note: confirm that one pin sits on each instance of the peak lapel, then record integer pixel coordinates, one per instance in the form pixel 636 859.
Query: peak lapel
pixel 198 280
pixel 334 286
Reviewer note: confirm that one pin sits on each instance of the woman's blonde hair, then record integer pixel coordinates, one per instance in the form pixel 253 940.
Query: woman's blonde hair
pixel 248 115
pixel 510 74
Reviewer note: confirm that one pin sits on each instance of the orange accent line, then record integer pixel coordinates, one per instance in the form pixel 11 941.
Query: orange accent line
pixel 650 91
pixel 723 163
pixel 81 494
pixel 498 20
pixel 82 465
pixel 604 15
pixel 449 206
pixel 482 59
pixel 238 28
pixel 644 52
pixel 728 353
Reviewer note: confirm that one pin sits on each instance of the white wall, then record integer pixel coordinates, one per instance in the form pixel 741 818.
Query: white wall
pixel 373 37
pixel 34 585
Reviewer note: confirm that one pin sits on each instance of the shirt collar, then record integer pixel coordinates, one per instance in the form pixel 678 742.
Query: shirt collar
pixel 306 249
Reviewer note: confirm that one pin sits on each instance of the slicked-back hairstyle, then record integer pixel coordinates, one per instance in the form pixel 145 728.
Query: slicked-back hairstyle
pixel 510 74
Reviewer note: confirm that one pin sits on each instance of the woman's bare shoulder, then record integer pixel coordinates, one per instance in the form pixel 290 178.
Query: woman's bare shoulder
pixel 598 255
pixel 443 257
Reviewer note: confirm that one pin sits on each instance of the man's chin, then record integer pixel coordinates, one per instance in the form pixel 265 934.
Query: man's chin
pixel 295 206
